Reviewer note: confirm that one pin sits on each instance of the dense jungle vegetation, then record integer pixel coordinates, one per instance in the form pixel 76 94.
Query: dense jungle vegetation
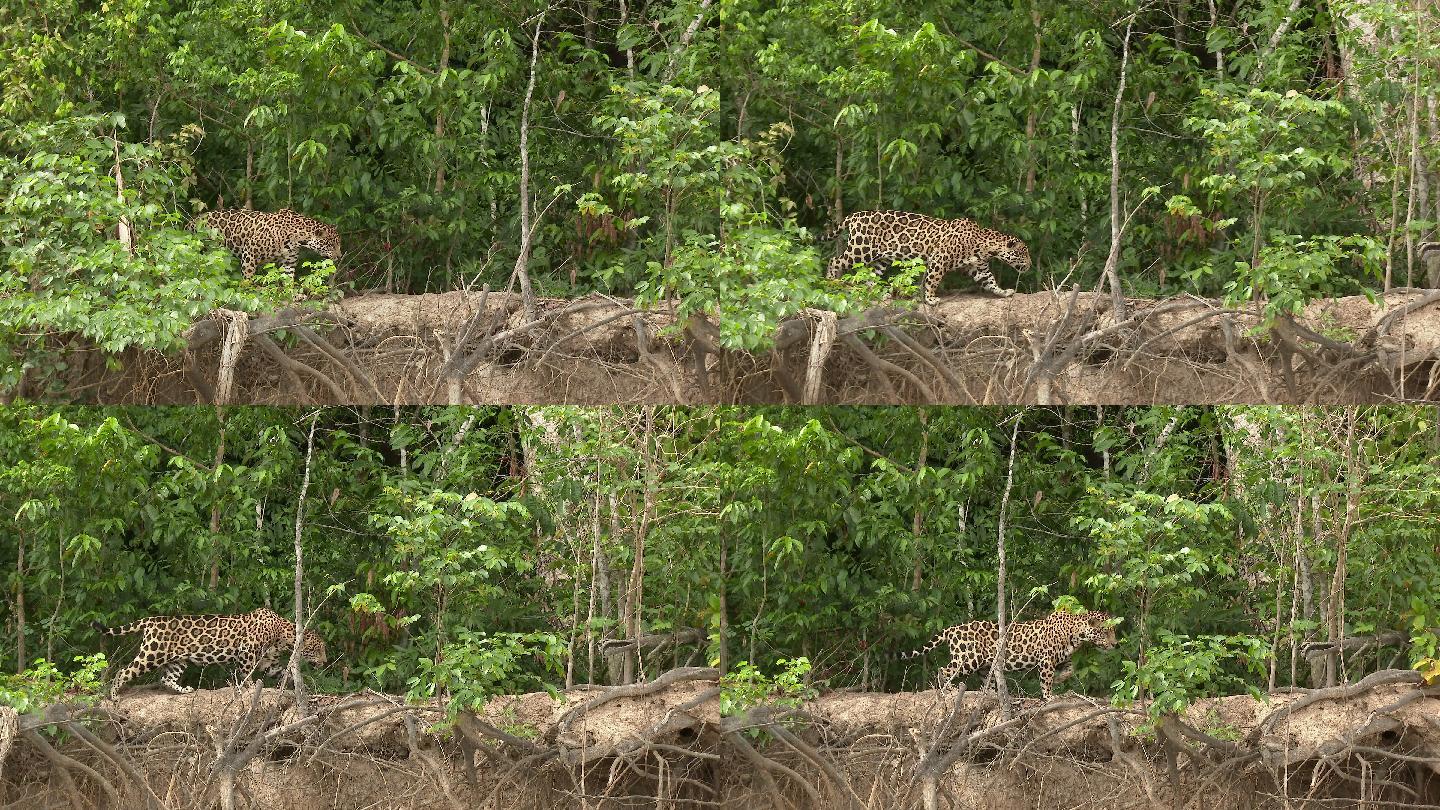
pixel 465 552
pixel 684 149
pixel 1268 149
pixel 451 143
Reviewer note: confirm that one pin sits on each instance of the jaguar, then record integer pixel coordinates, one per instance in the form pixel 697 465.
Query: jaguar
pixel 256 237
pixel 1046 643
pixel 880 238
pixel 254 640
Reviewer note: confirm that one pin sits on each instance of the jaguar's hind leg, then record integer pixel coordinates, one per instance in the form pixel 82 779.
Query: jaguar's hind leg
pixel 145 660
pixel 945 678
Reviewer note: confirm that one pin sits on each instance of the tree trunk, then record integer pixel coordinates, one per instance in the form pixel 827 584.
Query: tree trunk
pixel 527 236
pixel 1031 119
pixel 301 699
pixel 724 607
pixel 636 598
pixel 123 231
pixel 998 667
pixel 214 578
pixel 20 603
pixel 440 110
pixel 1117 225
pixel 917 525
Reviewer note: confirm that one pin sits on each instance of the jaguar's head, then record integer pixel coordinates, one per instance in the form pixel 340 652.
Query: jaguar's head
pixel 325 240
pixel 312 649
pixel 1102 628
pixel 1013 252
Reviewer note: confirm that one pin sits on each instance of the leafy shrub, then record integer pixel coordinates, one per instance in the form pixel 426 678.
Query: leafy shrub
pixel 746 686
pixel 45 684
pixel 63 268
pixel 1179 670
pixel 478 665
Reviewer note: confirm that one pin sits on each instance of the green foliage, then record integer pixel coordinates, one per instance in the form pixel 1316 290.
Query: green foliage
pixel 44 684
pixel 454 552
pixel 730 259
pixel 63 268
pixel 1154 546
pixel 747 284
pixel 311 283
pixel 477 665
pixel 1180 669
pixel 1424 616
pixel 1270 149
pixel 1269 158
pixel 746 686
pixel 1292 272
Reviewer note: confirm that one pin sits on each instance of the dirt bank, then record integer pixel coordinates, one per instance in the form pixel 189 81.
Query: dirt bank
pixel 1041 348
pixel 664 744
pixel 254 748
pixel 1376 741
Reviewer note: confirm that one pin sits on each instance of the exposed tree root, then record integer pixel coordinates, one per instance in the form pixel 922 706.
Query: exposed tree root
pixel 663 743
pixel 248 749
pixel 1373 741
pixel 1041 348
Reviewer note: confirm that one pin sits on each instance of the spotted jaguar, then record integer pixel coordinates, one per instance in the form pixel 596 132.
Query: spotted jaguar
pixel 256 237
pixel 876 238
pixel 258 640
pixel 1046 643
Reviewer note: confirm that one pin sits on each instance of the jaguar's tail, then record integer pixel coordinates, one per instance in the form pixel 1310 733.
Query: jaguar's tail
pixel 934 642
pixel 122 630
pixel 833 230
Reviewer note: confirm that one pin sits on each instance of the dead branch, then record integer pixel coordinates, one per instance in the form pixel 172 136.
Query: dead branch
pixel 356 373
pixel 477 730
pixel 674 676
pixel 841 784
pixel 1384 677
pixel 766 766
pixel 63 764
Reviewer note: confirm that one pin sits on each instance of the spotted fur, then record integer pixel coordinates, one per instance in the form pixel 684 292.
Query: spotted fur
pixel 257 237
pixel 876 238
pixel 258 640
pixel 1045 643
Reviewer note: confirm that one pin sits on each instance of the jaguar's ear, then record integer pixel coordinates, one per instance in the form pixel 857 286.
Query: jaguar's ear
pixel 1014 243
